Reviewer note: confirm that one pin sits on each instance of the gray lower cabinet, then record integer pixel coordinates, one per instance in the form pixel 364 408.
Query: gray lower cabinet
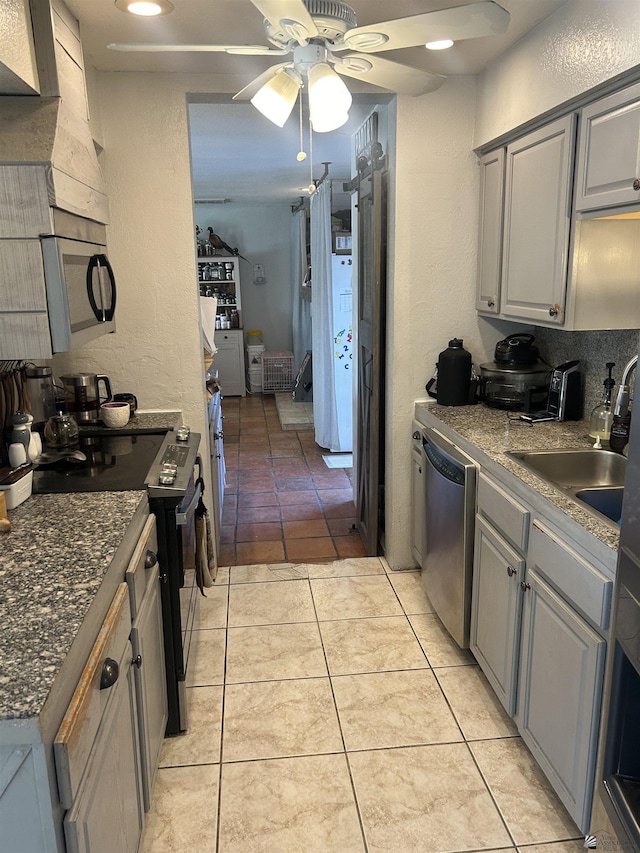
pixel 148 655
pixel 608 152
pixel 97 745
pixel 539 616
pixel 495 611
pixel 561 677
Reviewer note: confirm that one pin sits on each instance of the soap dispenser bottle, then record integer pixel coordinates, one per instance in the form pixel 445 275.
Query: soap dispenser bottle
pixel 602 415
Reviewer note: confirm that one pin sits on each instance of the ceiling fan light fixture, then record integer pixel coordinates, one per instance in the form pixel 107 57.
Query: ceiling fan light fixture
pixel 145 8
pixel 440 44
pixel 329 99
pixel 277 98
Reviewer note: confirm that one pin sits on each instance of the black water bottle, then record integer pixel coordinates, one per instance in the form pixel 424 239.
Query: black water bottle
pixel 454 375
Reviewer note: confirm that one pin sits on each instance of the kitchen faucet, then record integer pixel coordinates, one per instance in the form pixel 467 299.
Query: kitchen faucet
pixel 622 401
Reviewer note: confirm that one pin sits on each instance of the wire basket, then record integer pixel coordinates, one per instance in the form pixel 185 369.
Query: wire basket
pixel 277 372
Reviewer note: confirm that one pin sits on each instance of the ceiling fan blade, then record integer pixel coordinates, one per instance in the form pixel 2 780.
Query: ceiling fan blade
pixel 461 22
pixel 244 49
pixel 289 16
pixel 249 91
pixel 388 75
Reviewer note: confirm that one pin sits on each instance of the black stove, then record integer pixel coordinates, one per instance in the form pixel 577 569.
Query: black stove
pixel 115 463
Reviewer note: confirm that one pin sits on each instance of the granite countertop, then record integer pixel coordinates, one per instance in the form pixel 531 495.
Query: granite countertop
pixel 494 432
pixel 140 422
pixel 53 562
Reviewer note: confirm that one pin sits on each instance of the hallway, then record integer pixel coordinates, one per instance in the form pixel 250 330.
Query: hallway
pixel 281 502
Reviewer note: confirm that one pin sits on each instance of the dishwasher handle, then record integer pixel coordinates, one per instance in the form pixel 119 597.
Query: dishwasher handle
pixel 446 458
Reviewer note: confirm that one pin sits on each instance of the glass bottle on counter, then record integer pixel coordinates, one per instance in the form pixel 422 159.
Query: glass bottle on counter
pixel 602 414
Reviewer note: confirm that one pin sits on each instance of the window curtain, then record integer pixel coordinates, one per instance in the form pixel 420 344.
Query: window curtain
pixel 325 413
pixel 301 321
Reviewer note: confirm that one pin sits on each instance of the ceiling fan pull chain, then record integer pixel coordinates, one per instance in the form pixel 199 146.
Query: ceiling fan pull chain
pixel 312 186
pixel 301 153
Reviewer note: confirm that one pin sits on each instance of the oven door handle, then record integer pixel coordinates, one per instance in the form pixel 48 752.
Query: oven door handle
pixel 183 515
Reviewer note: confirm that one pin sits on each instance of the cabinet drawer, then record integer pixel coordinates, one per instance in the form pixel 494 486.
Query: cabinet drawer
pixel 505 513
pixel 582 584
pixel 78 729
pixel 143 568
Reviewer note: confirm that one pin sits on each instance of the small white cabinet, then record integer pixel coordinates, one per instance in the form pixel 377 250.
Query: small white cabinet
pixel 229 362
pixel 219 277
pixel 537 219
pixel 608 172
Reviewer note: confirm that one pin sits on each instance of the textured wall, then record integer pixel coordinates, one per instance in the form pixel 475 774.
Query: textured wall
pixel 17 52
pixel 431 295
pixel 261 232
pixel 156 351
pixel 586 42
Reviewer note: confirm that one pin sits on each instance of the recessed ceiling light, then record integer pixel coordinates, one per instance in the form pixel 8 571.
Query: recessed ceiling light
pixel 145 8
pixel 442 44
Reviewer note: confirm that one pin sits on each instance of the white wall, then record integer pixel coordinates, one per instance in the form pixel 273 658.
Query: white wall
pixel 432 263
pixel 262 234
pixel 156 351
pixel 585 43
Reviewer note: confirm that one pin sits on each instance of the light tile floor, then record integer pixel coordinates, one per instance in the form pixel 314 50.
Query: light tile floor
pixel 330 711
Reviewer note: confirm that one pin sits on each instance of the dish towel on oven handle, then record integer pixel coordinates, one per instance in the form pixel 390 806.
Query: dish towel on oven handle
pixel 206 567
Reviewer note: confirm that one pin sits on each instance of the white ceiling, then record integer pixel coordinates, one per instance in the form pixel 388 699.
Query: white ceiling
pixel 267 169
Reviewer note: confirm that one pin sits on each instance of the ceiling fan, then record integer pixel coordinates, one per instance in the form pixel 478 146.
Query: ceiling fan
pixel 323 38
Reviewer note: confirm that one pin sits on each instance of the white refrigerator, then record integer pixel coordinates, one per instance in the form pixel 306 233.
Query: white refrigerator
pixel 341 267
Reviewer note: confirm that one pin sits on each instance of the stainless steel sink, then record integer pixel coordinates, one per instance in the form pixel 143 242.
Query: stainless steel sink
pixel 607 500
pixel 593 478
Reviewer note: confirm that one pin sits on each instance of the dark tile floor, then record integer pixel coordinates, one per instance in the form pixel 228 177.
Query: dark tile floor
pixel 282 502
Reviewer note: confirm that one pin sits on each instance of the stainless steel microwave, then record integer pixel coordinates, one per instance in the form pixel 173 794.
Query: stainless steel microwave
pixel 80 284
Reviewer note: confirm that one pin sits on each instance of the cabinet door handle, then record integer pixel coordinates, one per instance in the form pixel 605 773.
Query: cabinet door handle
pixel 137 661
pixel 636 184
pixel 150 559
pixel 491 304
pixel 110 673
pixel 511 571
pixel 524 586
pixel 553 312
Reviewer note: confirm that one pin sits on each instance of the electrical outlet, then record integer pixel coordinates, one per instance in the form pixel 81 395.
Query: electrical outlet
pixel 258 274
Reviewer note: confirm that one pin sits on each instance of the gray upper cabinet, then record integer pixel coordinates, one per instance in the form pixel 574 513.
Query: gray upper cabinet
pixel 539 170
pixel 490 231
pixel 608 172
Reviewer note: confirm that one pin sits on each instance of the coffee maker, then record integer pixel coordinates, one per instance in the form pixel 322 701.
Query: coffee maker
pixel 82 395
pixel 565 392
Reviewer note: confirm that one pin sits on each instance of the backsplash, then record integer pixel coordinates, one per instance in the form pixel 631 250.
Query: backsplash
pixel 593 349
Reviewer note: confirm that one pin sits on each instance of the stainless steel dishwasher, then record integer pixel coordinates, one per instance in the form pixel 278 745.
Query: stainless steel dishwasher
pixel 447 557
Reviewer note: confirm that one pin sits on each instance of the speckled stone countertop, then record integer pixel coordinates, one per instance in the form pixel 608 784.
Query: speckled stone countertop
pixel 141 421
pixel 52 564
pixel 494 432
